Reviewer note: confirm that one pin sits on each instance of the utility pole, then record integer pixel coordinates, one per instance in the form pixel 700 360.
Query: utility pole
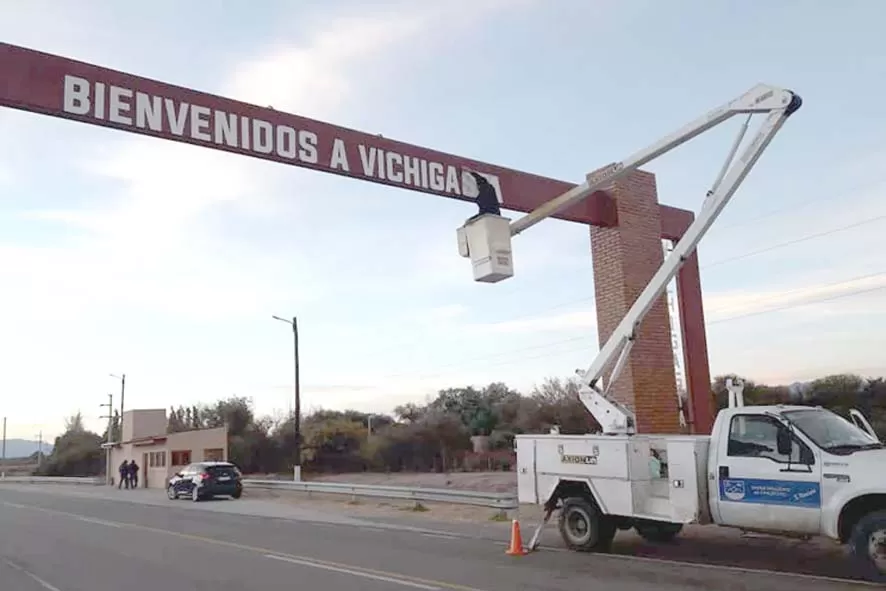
pixel 39 449
pixel 122 379
pixel 297 418
pixel 3 461
pixel 110 417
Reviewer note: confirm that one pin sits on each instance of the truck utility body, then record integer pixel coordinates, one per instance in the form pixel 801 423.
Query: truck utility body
pixel 776 469
pixel 791 470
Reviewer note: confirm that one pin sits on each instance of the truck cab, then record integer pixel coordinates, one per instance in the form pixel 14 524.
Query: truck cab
pixel 793 470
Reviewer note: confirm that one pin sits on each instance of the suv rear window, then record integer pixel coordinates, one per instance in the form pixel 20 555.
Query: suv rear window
pixel 224 470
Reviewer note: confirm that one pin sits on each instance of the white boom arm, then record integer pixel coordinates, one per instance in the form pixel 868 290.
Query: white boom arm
pixel 486 230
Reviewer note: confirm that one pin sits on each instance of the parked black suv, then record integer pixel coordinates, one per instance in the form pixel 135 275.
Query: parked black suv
pixel 204 480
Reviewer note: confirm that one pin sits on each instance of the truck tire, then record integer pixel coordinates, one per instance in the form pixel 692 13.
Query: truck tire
pixel 658 531
pixel 868 544
pixel 584 528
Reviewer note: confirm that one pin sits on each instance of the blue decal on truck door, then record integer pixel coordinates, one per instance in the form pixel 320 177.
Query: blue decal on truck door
pixel 771 492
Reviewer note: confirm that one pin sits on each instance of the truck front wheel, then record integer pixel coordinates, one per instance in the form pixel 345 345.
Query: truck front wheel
pixel 868 544
pixel 658 531
pixel 584 528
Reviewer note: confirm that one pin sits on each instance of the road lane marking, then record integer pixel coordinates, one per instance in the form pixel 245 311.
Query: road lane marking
pixel 31 575
pixel 400 578
pixel 99 521
pixel 443 536
pixel 356 573
pixel 454 586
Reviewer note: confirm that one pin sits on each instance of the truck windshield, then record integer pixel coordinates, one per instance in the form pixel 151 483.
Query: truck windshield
pixel 830 431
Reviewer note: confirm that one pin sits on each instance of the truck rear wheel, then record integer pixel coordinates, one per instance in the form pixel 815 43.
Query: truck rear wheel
pixel 868 545
pixel 658 531
pixel 584 528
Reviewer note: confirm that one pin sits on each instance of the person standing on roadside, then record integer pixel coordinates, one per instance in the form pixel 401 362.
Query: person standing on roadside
pixel 133 474
pixel 124 475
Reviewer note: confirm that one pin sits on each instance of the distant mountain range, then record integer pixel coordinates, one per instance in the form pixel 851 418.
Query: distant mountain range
pixel 22 448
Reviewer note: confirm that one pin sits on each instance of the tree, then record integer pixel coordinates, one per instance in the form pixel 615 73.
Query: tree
pixel 176 422
pixel 558 404
pixel 74 423
pixel 116 430
pixel 77 452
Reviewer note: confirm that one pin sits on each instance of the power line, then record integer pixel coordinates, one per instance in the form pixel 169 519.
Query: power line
pixel 568 303
pixel 801 304
pixel 794 241
pixel 484 361
pixel 799 289
pixel 827 196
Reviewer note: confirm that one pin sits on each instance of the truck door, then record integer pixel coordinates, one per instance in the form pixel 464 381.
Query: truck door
pixel 527 476
pixel 760 485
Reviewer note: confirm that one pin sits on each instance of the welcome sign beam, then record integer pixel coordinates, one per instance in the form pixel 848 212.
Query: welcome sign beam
pixel 60 87
pixel 52 85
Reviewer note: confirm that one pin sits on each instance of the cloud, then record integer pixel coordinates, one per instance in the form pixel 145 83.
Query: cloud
pixel 563 322
pixel 317 76
pixel 321 74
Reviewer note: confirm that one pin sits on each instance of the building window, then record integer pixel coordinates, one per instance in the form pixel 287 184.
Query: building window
pixel 157 459
pixel 213 455
pixel 181 458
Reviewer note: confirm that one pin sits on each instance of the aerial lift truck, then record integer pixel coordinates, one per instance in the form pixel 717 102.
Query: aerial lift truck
pixel 790 470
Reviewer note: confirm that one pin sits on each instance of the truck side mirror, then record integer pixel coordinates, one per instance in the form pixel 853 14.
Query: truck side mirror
pixel 784 443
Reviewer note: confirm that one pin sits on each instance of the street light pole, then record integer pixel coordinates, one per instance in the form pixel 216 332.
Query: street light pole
pixel 297 417
pixel 110 417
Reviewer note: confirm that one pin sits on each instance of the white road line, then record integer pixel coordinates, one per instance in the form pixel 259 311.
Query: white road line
pixel 444 536
pixel 624 557
pixel 355 573
pixel 31 575
pixel 100 521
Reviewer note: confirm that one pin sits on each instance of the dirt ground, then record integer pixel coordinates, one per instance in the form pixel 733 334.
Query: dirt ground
pixel 478 481
pixel 703 544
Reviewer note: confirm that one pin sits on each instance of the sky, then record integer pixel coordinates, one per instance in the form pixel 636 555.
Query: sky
pixel 125 254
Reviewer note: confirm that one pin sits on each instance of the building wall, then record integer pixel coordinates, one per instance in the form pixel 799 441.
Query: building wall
pixel 625 259
pixel 139 423
pixel 197 444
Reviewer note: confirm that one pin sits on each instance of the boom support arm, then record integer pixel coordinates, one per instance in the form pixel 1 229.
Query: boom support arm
pixel 778 104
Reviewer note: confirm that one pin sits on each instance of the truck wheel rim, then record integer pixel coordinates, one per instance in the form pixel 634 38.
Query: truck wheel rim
pixel 877 549
pixel 578 526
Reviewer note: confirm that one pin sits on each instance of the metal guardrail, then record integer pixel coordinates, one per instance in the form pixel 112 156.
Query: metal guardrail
pixel 90 481
pixel 502 501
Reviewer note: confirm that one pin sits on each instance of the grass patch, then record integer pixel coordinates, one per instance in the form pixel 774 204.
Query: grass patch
pixel 499 516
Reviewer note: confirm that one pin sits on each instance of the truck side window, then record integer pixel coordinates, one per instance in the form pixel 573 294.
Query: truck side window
pixel 756 436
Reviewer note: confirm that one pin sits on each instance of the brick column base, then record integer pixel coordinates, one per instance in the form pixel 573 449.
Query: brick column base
pixel 625 258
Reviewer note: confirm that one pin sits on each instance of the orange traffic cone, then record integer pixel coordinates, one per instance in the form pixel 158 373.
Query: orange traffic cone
pixel 516 546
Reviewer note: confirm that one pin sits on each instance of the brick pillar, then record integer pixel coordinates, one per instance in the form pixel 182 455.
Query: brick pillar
pixel 625 258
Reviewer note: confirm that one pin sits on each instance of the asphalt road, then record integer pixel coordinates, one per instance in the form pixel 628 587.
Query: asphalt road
pixel 52 540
